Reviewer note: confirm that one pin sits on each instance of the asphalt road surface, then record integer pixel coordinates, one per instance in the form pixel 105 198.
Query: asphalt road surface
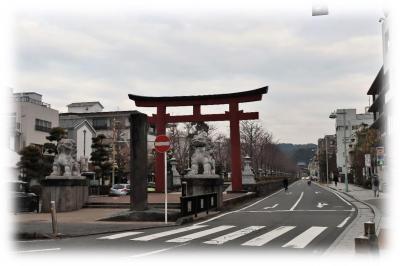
pixel 306 219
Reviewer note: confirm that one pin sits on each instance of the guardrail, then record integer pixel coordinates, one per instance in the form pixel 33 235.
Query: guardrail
pixel 194 204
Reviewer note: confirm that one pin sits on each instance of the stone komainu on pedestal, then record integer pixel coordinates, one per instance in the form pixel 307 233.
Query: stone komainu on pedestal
pixel 65 185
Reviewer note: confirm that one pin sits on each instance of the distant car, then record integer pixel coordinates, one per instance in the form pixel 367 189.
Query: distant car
pixel 24 201
pixel 120 190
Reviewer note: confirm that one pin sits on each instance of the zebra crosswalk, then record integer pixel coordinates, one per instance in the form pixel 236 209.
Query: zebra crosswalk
pixel 207 235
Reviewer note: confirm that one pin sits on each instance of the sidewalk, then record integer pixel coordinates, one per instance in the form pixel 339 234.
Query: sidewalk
pixel 86 221
pixel 369 208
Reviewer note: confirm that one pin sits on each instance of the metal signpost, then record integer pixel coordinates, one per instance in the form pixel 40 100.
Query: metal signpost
pixel 162 144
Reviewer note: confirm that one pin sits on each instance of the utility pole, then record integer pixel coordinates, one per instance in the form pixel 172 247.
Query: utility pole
pixel 113 154
pixel 327 165
pixel 346 182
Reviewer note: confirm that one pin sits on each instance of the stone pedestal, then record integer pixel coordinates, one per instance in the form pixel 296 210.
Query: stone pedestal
pixel 247 175
pixel 69 193
pixel 202 184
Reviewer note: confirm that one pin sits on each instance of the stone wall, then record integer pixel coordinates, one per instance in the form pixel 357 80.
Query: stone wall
pixel 264 188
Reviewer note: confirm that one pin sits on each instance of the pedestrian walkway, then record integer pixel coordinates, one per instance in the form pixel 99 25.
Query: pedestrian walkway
pixel 367 196
pixel 370 208
pixel 86 221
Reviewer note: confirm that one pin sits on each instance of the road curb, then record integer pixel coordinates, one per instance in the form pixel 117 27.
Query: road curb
pixel 343 239
pixel 375 210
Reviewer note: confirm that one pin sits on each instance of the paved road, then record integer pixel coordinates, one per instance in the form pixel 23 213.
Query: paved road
pixel 306 218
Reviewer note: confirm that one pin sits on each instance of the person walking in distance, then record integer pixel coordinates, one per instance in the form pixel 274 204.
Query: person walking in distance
pixel 285 183
pixel 335 179
pixel 375 185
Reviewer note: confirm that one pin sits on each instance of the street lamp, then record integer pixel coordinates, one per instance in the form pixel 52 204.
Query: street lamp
pixel 327 165
pixel 333 115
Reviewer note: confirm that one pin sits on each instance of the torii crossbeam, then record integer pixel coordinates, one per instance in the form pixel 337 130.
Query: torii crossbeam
pixel 234 115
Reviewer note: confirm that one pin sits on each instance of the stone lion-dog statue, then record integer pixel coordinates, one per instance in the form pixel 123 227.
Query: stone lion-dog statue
pixel 64 163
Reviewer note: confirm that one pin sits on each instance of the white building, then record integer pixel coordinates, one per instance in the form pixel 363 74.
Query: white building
pixel 89 117
pixel 85 107
pixel 33 119
pixel 347 123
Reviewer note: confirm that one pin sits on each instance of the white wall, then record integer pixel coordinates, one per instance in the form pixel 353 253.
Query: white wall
pixel 27 113
pixel 85 109
pixel 80 142
pixel 352 119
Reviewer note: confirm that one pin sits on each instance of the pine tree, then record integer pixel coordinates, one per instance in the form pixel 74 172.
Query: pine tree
pixel 100 156
pixel 33 164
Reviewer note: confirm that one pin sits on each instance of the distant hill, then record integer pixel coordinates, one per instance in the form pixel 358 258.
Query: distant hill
pixel 298 152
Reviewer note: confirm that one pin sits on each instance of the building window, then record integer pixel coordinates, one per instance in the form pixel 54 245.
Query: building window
pixel 42 125
pixel 100 123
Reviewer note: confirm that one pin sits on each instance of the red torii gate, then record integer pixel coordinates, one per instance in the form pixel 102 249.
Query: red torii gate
pixel 234 115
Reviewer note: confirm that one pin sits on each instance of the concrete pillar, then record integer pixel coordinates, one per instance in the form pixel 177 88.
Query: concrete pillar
pixel 138 161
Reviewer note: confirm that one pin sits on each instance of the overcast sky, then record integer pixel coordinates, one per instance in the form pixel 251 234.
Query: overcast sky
pixel 312 65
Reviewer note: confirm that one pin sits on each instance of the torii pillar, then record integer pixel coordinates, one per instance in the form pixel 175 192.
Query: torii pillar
pixel 234 115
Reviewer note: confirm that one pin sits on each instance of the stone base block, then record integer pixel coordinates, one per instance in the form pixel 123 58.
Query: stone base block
pixel 155 215
pixel 200 185
pixel 68 194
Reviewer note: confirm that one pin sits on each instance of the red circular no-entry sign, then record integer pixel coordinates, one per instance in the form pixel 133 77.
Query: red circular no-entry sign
pixel 162 143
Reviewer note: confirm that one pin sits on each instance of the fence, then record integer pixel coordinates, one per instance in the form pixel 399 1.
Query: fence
pixel 200 203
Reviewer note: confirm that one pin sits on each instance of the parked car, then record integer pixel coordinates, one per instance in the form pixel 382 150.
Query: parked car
pixel 120 190
pixel 24 201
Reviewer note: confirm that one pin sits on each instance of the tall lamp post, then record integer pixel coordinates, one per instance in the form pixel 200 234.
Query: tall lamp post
pixel 333 116
pixel 327 165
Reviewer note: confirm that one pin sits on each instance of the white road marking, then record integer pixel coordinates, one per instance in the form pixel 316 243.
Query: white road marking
pixel 352 210
pixel 39 250
pixel 156 251
pixel 266 208
pixel 201 234
pixel 225 238
pixel 305 238
pixel 260 200
pixel 297 202
pixel 343 223
pixel 221 215
pixel 168 233
pixel 120 235
pixel 267 237
pixel 321 205
pixel 345 201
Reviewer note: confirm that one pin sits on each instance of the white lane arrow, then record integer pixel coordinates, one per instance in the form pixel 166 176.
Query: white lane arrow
pixel 321 205
pixel 266 208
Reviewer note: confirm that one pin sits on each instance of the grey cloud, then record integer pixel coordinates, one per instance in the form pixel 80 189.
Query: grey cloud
pixel 311 65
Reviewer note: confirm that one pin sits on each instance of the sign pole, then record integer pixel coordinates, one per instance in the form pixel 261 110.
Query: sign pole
pixel 165 188
pixel 162 144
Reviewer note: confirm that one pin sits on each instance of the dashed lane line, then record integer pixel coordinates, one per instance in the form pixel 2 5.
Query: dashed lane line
pixel 297 202
pixel 344 222
pixel 39 250
pixel 120 235
pixel 155 251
